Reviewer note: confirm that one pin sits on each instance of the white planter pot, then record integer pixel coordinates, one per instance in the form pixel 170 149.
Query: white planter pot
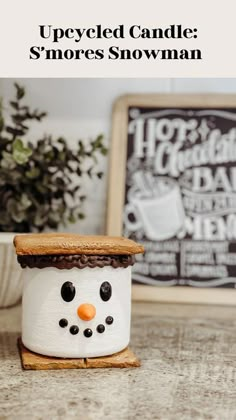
pixel 11 275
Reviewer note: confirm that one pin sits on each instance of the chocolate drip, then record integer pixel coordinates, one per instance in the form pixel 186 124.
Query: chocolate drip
pixel 79 261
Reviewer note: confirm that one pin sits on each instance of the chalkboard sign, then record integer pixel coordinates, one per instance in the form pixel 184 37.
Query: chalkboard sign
pixel 173 189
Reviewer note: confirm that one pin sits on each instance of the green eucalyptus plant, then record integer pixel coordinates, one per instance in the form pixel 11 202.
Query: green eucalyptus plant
pixel 40 182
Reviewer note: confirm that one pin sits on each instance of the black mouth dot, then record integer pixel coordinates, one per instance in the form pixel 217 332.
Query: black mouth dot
pixel 100 328
pixel 109 320
pixel 63 323
pixel 88 333
pixel 74 329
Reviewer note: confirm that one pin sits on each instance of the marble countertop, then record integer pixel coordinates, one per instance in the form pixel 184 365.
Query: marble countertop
pixel 188 371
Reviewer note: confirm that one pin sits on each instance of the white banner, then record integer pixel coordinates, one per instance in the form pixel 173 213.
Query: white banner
pixel 123 39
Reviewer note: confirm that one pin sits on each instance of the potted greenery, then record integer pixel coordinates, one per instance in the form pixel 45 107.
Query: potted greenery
pixel 40 186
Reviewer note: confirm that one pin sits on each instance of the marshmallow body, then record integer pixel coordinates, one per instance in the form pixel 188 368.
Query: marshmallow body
pixel 52 326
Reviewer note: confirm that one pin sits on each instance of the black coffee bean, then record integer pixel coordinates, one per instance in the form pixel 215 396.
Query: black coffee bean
pixel 68 291
pixel 63 322
pixel 74 329
pixel 100 328
pixel 109 320
pixel 105 291
pixel 88 333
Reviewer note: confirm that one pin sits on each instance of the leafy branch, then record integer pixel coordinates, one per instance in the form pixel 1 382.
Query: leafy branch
pixel 40 181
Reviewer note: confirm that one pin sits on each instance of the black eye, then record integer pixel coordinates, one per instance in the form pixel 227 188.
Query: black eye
pixel 105 291
pixel 68 291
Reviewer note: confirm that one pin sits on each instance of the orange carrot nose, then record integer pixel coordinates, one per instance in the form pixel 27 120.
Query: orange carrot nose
pixel 86 311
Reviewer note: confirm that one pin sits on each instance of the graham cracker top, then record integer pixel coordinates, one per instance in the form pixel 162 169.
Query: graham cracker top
pixel 67 243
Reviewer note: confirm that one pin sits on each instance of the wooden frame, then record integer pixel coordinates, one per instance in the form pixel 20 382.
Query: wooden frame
pixel 116 187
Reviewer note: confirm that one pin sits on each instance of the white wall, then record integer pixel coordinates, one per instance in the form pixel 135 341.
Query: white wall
pixel 81 108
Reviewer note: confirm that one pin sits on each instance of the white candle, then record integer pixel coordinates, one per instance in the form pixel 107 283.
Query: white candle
pixel 44 309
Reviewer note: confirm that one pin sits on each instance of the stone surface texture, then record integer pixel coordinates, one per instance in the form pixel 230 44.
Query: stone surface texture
pixel 188 371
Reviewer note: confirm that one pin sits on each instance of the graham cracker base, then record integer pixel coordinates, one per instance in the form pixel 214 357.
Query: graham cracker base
pixel 34 361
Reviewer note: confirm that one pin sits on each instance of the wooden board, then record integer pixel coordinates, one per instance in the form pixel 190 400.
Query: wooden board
pixel 195 226
pixel 209 296
pixel 34 361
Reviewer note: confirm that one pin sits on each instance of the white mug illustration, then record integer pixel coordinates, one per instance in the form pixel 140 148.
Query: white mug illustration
pixel 155 205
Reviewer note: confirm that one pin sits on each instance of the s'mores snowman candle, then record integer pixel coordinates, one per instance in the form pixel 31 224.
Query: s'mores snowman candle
pixel 77 293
